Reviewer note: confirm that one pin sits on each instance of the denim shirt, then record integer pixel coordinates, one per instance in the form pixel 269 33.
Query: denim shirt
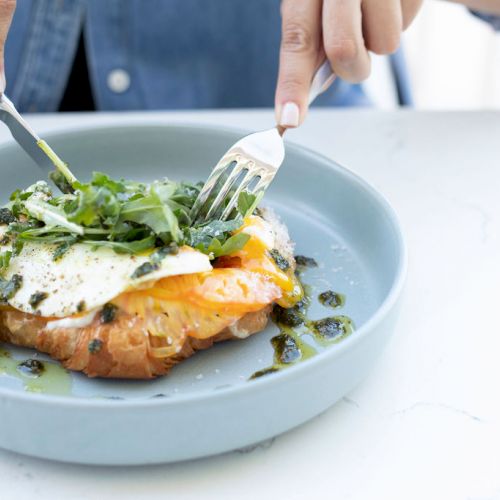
pixel 154 54
pixel 489 18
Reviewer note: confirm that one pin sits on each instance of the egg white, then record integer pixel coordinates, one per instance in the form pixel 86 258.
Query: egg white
pixel 84 276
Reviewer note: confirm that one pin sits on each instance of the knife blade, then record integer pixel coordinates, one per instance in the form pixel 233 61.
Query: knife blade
pixel 23 133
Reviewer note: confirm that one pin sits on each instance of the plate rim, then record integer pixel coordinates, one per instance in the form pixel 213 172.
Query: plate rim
pixel 282 376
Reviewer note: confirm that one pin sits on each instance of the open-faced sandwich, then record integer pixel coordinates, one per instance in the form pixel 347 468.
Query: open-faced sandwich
pixel 115 280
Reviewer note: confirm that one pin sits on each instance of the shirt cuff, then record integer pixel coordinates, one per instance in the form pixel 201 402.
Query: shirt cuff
pixel 489 18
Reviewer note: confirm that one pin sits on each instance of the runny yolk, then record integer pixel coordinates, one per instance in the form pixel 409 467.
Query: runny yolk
pixel 255 256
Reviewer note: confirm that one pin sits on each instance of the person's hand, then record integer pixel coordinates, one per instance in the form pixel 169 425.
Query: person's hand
pixel 7 8
pixel 342 31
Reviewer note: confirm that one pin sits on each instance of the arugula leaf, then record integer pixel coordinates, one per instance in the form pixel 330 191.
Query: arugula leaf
pixel 154 211
pixel 231 245
pixel 93 205
pixel 52 216
pixel 203 235
pixel 102 180
pixel 5 260
pixel 246 203
pixel 50 238
pixel 131 247
pixel 127 216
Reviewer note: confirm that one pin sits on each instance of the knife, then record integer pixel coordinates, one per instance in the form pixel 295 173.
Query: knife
pixel 24 134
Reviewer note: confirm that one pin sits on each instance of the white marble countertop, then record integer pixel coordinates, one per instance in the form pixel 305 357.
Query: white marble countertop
pixel 426 423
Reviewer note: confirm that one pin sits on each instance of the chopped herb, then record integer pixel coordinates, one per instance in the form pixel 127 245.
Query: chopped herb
pixel 6 216
pixel 81 306
pixel 108 313
pixel 144 269
pixel 303 261
pixel 331 299
pixel 286 348
pixel 265 371
pixel 5 260
pixel 8 288
pixel 31 367
pixel 95 346
pixel 37 298
pixel 280 261
pixel 162 252
pixel 332 329
pixel 287 317
pixel 62 249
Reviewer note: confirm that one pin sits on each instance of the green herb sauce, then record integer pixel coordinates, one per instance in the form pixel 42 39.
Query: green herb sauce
pixel 331 330
pixel 279 260
pixel 6 216
pixel 294 323
pixel 95 346
pixel 331 299
pixel 144 269
pixel 108 313
pixel 37 376
pixel 303 261
pixel 37 298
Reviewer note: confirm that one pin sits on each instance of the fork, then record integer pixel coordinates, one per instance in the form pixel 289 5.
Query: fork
pixel 250 164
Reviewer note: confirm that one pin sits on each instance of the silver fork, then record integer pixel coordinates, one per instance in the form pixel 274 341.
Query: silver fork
pixel 253 161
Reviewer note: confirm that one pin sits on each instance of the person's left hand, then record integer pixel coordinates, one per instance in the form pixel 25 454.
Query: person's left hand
pixel 342 31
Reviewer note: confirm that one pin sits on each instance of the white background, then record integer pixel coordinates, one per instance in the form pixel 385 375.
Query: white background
pixel 453 60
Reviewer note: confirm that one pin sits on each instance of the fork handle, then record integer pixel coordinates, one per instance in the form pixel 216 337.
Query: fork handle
pixel 322 79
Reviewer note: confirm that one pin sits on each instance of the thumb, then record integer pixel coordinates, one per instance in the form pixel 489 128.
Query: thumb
pixel 300 42
pixel 7 8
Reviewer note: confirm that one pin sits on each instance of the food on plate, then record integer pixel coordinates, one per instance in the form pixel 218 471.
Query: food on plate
pixel 114 279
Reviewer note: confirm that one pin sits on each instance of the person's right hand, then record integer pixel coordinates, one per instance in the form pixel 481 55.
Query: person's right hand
pixel 342 31
pixel 7 8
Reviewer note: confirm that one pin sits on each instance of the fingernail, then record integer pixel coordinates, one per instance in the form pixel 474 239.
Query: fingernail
pixel 2 82
pixel 290 115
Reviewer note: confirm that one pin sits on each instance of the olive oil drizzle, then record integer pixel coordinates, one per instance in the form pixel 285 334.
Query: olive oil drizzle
pixel 37 376
pixel 294 324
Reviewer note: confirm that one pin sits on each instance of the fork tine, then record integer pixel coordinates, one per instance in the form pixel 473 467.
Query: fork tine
pixel 224 190
pixel 247 180
pixel 208 187
pixel 262 185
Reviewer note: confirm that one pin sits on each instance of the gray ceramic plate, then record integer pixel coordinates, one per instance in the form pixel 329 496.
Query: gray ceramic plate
pixel 208 405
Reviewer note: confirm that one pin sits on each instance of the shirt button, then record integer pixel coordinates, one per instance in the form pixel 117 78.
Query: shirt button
pixel 118 81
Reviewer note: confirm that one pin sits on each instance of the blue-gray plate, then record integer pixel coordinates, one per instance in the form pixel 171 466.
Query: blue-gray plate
pixel 208 404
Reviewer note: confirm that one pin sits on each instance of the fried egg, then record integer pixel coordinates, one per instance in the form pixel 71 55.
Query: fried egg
pixel 84 278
